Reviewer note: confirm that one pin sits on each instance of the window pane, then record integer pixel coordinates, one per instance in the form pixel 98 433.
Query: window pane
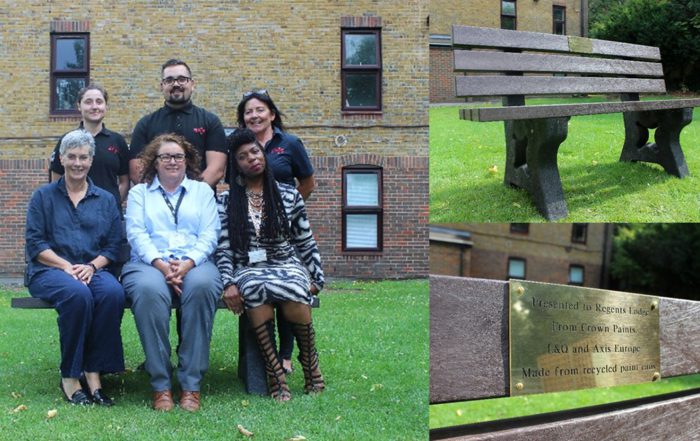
pixel 361 49
pixel 70 54
pixel 579 232
pixel 362 189
pixel 559 28
pixel 508 23
pixel 576 275
pixel 519 228
pixel 516 268
pixel 67 92
pixel 508 7
pixel 361 90
pixel 361 231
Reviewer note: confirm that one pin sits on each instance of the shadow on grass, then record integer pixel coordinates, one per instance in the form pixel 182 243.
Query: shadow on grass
pixel 586 189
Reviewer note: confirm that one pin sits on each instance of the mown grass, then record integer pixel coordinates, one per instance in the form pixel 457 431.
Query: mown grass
pixel 469 412
pixel 465 186
pixel 373 344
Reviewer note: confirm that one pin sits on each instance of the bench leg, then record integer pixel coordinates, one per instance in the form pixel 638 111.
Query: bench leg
pixel 531 162
pixel 251 367
pixel 666 150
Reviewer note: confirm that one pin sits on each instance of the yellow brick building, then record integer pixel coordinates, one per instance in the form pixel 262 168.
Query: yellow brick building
pixel 292 49
pixel 577 254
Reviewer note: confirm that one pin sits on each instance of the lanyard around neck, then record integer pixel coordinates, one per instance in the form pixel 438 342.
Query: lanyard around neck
pixel 170 205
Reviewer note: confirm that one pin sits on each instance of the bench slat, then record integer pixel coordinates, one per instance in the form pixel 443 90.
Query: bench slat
pixel 502 38
pixel 489 85
pixel 35 303
pixel 558 110
pixel 670 418
pixel 490 61
pixel 469 338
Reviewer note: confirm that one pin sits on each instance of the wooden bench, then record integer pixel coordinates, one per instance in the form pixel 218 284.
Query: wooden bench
pixel 251 367
pixel 469 360
pixel 514 64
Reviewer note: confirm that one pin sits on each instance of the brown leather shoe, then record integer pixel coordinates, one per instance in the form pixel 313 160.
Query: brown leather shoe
pixel 189 401
pixel 163 401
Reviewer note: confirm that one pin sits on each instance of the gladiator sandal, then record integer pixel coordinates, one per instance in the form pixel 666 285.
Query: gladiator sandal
pixel 276 381
pixel 308 357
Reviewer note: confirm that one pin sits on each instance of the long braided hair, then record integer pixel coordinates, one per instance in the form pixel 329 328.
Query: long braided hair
pixel 274 217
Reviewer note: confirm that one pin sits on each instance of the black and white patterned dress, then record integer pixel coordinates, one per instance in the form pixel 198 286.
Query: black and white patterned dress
pixel 282 277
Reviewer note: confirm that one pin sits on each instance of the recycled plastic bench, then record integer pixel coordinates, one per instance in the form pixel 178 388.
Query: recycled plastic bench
pixel 516 64
pixel 470 360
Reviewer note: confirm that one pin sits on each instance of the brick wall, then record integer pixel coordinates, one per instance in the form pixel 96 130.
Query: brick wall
pixel 442 83
pixel 291 49
pixel 449 259
pixel 405 231
pixel 18 178
pixel 445 13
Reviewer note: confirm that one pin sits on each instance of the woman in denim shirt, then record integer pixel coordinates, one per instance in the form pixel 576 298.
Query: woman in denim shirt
pixel 73 232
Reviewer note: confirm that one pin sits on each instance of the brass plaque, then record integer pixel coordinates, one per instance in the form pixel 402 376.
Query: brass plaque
pixel 566 338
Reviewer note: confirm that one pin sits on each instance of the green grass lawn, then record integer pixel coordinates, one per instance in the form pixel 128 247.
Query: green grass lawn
pixel 465 186
pixel 373 345
pixel 469 412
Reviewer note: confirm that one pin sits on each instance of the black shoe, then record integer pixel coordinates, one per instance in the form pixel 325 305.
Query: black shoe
pixel 101 399
pixel 79 396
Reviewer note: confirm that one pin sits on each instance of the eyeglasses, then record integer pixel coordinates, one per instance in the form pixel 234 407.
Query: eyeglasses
pixel 168 81
pixel 166 157
pixel 262 92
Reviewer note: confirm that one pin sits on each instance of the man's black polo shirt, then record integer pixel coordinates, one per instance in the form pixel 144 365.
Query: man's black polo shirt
pixel 111 161
pixel 201 128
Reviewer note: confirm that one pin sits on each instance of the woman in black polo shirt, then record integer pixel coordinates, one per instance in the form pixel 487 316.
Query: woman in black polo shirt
pixel 290 164
pixel 110 166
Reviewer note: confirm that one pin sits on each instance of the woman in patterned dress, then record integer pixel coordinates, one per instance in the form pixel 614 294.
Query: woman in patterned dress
pixel 262 222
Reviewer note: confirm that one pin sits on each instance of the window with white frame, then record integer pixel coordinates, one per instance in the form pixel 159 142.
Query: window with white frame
pixel 362 208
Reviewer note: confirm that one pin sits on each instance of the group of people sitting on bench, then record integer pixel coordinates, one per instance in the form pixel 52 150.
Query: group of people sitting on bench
pixel 251 245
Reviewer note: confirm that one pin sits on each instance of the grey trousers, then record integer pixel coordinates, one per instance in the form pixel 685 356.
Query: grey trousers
pixel 151 302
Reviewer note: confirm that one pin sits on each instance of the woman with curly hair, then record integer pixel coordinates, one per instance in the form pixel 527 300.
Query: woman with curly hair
pixel 172 226
pixel 262 223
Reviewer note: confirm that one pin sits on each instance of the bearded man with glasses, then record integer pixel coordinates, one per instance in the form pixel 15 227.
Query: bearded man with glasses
pixel 179 115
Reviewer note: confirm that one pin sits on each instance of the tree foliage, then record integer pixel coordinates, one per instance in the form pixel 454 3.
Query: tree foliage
pixel 659 259
pixel 672 25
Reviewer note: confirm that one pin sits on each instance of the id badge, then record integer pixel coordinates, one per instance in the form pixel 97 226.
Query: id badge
pixel 177 241
pixel 256 256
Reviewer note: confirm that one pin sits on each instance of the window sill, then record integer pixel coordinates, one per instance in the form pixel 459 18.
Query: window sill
pixel 362 114
pixel 60 118
pixel 362 253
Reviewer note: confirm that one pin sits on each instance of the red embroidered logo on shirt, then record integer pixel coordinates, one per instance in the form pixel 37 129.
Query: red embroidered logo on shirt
pixel 278 150
pixel 199 130
pixel 113 149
